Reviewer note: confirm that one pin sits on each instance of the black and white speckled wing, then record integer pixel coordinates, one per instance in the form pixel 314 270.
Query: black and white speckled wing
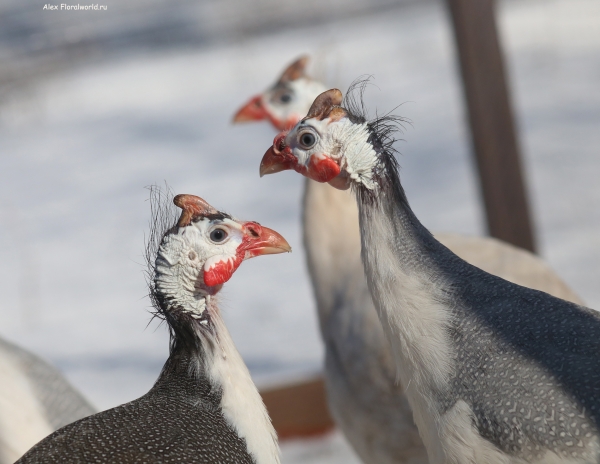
pixel 529 367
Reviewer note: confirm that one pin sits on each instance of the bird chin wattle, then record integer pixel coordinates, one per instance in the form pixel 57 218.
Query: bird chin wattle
pixel 201 288
pixel 341 181
pixel 212 291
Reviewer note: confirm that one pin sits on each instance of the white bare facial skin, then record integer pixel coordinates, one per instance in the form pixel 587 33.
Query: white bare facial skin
pixel 186 254
pixel 342 141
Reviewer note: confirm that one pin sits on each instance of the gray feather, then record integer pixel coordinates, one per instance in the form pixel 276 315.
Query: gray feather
pixel 61 402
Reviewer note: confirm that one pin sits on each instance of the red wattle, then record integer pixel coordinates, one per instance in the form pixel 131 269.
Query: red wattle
pixel 222 271
pixel 321 169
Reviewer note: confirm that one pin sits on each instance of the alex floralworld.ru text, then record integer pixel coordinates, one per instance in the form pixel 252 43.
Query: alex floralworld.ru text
pixel 64 6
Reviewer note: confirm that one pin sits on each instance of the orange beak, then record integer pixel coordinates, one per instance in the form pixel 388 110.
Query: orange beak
pixel 261 240
pixel 277 158
pixel 251 111
pixel 273 163
pixel 257 241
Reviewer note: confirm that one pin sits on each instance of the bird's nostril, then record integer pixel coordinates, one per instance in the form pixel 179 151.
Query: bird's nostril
pixel 253 231
pixel 279 143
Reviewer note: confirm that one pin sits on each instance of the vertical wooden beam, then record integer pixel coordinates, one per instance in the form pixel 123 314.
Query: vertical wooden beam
pixel 494 138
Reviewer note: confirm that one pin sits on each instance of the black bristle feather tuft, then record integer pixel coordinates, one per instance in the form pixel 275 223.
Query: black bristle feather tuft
pixel 163 220
pixel 383 131
pixel 353 101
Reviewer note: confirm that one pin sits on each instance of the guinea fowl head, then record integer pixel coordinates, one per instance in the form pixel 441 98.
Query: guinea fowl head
pixel 336 145
pixel 201 252
pixel 286 102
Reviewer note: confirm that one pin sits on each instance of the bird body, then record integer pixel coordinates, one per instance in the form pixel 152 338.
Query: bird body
pixel 364 396
pixel 365 399
pixel 181 419
pixel 494 372
pixel 35 400
pixel 204 407
pixel 487 366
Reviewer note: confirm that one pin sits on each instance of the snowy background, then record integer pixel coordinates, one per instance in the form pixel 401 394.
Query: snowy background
pixel 93 109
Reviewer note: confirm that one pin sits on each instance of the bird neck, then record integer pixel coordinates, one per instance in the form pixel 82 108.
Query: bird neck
pixel 404 266
pixel 241 402
pixel 332 245
pixel 206 363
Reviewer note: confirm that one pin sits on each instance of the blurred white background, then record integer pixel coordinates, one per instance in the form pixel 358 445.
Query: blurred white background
pixel 94 106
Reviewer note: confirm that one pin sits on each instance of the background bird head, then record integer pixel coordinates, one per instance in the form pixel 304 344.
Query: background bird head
pixel 317 146
pixel 335 143
pixel 287 101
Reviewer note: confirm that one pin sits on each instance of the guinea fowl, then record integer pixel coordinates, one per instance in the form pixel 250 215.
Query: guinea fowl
pixel 204 407
pixel 287 101
pixel 35 400
pixel 494 372
pixel 364 397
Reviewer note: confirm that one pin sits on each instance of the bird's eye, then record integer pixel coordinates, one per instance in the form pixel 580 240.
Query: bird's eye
pixel 307 139
pixel 285 98
pixel 218 235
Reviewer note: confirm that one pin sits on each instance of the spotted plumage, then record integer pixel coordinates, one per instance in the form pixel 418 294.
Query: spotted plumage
pixel 204 407
pixel 178 420
pixel 494 372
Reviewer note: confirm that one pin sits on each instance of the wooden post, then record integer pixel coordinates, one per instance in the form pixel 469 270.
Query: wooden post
pixel 493 132
pixel 299 410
